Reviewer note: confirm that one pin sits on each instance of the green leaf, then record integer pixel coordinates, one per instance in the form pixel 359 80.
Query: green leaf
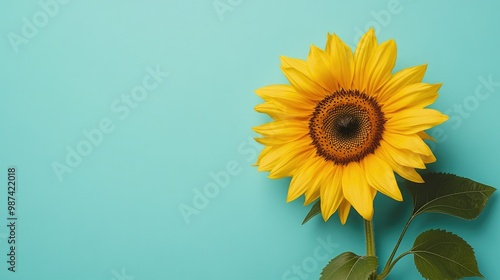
pixel 443 255
pixel 315 210
pixel 349 266
pixel 449 194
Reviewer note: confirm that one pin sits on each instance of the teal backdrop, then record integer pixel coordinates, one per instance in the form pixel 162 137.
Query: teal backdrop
pixel 129 123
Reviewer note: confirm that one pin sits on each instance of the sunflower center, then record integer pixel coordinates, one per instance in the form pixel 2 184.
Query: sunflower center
pixel 346 126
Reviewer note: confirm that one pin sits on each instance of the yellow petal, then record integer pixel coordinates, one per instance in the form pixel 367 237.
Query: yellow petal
pixel 380 176
pixel 302 82
pixel 273 141
pixel 428 159
pixel 414 120
pixel 271 109
pixel 401 79
pixel 331 193
pixel 321 69
pixel 344 208
pixel 379 68
pixel 403 171
pixel 357 191
pixel 289 163
pixel 313 192
pixel 268 141
pixel 403 157
pixel 342 61
pixel 283 129
pixel 311 196
pixel 411 142
pixel 262 154
pixel 270 92
pixel 425 136
pixel 298 64
pixel 298 186
pixel 285 95
pixel 278 153
pixel 302 179
pixel 364 51
pixel 414 96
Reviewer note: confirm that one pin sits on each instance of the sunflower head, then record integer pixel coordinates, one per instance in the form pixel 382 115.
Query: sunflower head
pixel 345 124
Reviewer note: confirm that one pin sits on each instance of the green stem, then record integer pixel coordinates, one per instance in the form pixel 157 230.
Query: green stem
pixel 370 239
pixel 389 265
pixel 386 271
pixel 370 243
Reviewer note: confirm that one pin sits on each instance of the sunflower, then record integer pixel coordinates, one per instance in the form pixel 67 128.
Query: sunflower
pixel 345 124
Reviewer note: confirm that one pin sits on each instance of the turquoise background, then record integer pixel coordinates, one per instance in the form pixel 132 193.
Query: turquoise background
pixel 117 214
